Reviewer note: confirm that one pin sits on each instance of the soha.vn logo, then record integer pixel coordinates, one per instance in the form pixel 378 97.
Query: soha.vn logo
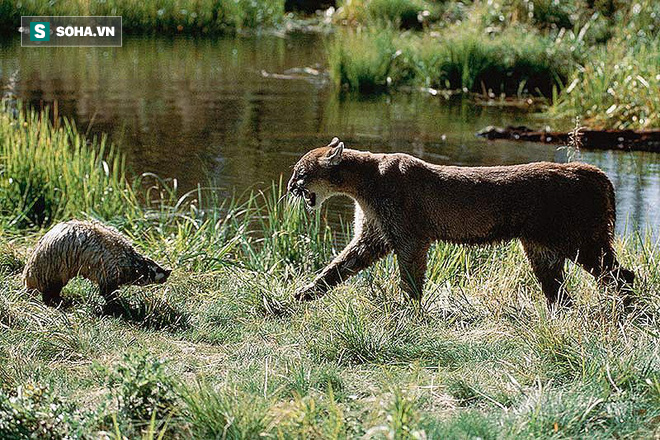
pixel 40 31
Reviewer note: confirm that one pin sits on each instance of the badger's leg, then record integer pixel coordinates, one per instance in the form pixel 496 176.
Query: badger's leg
pixel 412 258
pixel 51 294
pixel 600 261
pixel 368 246
pixel 548 266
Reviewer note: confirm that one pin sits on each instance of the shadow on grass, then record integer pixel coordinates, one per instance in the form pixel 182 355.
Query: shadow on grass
pixel 148 313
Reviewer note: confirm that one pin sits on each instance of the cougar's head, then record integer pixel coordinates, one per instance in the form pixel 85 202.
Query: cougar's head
pixel 315 175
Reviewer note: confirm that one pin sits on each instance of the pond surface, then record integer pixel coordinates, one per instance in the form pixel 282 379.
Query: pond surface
pixel 240 111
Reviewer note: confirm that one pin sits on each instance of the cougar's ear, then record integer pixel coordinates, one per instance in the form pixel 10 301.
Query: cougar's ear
pixel 334 155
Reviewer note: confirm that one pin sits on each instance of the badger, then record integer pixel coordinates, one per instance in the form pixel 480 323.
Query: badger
pixel 93 251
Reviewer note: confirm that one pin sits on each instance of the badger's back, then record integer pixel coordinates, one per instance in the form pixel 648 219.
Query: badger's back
pixel 72 248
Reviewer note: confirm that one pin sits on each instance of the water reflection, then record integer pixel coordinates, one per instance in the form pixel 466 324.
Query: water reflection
pixel 194 109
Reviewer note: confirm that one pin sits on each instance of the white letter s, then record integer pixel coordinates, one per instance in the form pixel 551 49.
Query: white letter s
pixel 40 31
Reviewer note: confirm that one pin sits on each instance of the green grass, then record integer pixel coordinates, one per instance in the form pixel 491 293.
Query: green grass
pixel 49 172
pixel 459 58
pixel 398 13
pixel 222 350
pixel 158 18
pixel 617 88
pixel 594 59
pixel 484 358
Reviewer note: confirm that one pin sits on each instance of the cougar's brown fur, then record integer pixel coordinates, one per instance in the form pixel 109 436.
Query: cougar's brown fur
pixel 403 204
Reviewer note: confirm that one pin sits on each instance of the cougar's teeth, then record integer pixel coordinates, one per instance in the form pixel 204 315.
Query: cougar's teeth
pixel 310 198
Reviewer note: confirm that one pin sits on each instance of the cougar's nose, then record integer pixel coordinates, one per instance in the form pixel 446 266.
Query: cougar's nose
pixel 291 185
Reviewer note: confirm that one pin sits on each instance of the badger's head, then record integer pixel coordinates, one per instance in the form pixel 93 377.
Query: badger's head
pixel 315 177
pixel 151 272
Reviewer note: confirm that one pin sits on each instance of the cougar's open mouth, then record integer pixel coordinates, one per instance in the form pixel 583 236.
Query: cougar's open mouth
pixel 310 198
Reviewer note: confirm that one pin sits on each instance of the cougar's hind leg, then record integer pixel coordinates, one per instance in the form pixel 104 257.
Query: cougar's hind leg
pixel 600 261
pixel 548 267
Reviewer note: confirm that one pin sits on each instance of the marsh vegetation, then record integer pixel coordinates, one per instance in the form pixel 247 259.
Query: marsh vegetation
pixel 597 60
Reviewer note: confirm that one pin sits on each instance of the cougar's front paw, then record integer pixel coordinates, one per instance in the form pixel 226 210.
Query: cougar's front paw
pixel 308 292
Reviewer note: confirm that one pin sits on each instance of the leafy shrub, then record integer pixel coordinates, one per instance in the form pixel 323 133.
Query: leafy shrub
pixel 142 387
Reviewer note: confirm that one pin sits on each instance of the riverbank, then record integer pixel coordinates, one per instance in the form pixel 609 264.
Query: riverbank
pixel 222 349
pixel 594 60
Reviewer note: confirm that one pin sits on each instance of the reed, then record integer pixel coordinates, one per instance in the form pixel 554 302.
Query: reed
pixel 459 58
pixel 51 171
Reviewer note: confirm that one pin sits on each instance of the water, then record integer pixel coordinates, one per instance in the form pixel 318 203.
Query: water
pixel 240 111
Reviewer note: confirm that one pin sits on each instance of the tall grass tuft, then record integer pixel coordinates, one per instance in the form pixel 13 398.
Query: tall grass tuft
pixel 616 88
pixel 221 414
pixel 285 238
pixel 460 58
pixel 363 60
pixel 49 172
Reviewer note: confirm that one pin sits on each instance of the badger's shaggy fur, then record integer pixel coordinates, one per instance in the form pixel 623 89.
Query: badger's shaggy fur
pixel 93 251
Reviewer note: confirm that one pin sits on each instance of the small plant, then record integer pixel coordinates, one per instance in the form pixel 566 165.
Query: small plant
pixel 223 414
pixel 31 412
pixel 574 142
pixel 142 387
pixel 402 419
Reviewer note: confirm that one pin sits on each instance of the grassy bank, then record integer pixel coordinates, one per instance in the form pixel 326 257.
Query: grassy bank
pixel 167 17
pixel 515 62
pixel 207 357
pixel 598 60
pixel 222 351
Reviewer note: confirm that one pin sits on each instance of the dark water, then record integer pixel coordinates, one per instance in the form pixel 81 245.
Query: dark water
pixel 242 110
